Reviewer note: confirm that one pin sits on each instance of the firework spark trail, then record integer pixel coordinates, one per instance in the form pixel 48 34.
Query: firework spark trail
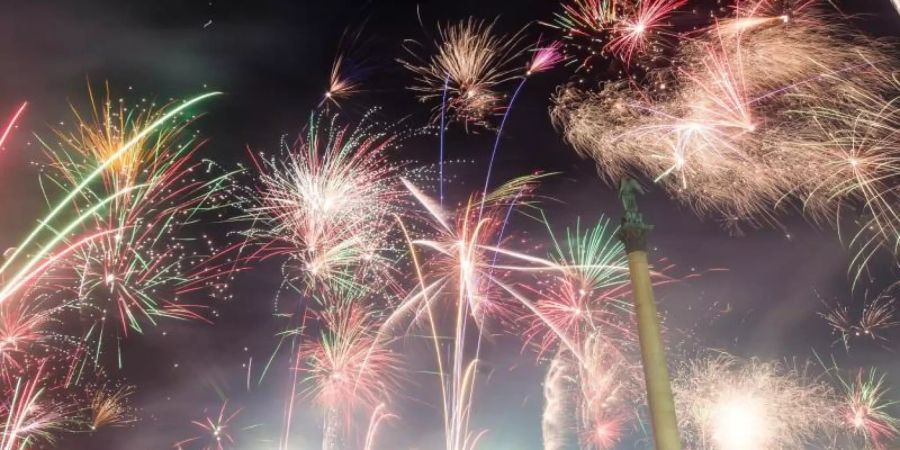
pixel 559 425
pixel 544 58
pixel 727 404
pixel 11 123
pixel 379 415
pixel 443 132
pixel 459 262
pixel 475 61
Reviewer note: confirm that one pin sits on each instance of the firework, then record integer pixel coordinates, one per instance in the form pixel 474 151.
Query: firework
pixel 727 404
pixel 216 432
pixel 341 83
pixel 633 33
pixel 108 167
pixel 470 266
pixel 37 260
pixel 737 126
pixel 326 207
pixel 27 415
pixel 142 267
pixel 865 410
pixel 876 317
pixel 25 329
pixel 598 30
pixel 11 123
pixel 469 62
pixel 545 58
pixel 109 408
pixel 348 368
pixel 587 295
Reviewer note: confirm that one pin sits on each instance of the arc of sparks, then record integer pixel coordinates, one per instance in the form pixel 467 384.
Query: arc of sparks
pixel 11 124
pixel 87 180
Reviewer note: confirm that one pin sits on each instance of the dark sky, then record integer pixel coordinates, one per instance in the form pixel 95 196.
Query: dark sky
pixel 271 58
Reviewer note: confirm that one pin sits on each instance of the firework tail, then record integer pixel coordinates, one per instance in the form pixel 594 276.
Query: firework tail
pixel 559 426
pixel 11 124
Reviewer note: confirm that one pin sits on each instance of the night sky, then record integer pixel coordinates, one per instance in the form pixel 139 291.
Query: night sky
pixel 758 294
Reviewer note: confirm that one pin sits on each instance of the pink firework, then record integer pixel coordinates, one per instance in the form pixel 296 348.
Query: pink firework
pixel 545 58
pixel 11 123
pixel 634 33
pixel 865 410
pixel 349 366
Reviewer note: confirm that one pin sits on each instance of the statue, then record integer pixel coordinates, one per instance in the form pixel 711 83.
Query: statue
pixel 629 189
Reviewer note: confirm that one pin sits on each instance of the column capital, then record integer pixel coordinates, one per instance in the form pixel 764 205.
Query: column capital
pixel 633 231
pixel 634 235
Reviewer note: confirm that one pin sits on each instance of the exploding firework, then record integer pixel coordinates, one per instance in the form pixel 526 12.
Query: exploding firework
pixel 587 295
pixel 109 408
pixel 43 375
pixel 596 31
pixel 469 62
pixel 27 414
pixel 348 368
pixel 341 83
pixel 327 206
pixel 865 410
pixel 727 404
pixel 138 271
pixel 877 316
pixel 216 432
pixel 737 126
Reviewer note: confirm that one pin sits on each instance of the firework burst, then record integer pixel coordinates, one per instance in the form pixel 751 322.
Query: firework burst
pixel 142 267
pixel 596 31
pixel 470 62
pixel 109 408
pixel 348 369
pixel 327 206
pixel 216 432
pixel 865 410
pixel 726 404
